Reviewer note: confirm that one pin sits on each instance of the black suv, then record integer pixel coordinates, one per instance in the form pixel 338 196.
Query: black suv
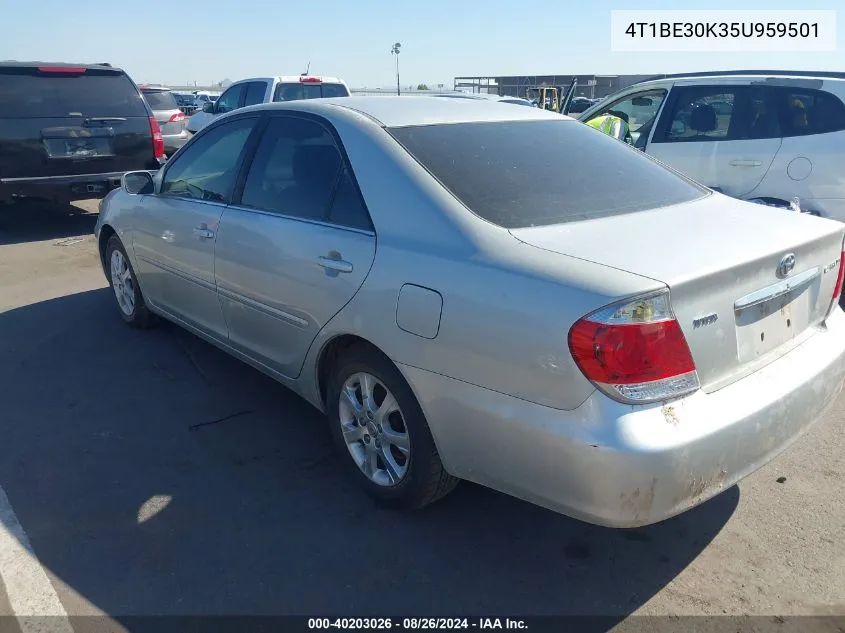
pixel 69 132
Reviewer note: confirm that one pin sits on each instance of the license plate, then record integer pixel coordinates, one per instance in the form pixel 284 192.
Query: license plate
pixel 765 327
pixel 78 148
pixel 81 148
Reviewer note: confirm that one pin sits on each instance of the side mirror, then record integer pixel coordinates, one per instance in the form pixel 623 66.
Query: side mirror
pixel 678 127
pixel 208 106
pixel 138 183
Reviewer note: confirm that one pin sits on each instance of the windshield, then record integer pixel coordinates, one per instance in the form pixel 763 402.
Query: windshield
pixel 298 91
pixel 28 93
pixel 160 99
pixel 534 173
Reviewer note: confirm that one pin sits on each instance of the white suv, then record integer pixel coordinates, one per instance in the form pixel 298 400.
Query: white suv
pixel 247 92
pixel 771 136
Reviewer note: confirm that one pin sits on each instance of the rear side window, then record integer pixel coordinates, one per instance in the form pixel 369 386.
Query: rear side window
pixel 160 99
pixel 29 93
pixel 534 173
pixel 806 112
pixel 294 171
pixel 299 91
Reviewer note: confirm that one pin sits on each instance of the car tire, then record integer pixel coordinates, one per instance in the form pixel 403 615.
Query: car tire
pixel 123 282
pixel 423 480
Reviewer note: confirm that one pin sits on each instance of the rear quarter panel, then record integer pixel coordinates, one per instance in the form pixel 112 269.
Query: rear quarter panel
pixel 507 307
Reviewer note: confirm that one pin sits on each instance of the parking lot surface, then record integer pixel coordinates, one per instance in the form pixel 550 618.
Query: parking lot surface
pixel 153 474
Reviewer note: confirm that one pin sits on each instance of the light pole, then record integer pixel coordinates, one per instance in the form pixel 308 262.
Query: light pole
pixel 395 51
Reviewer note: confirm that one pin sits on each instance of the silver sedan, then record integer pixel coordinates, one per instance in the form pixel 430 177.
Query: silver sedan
pixel 474 291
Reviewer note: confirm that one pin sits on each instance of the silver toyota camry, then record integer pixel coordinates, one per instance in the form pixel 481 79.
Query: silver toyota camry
pixel 474 291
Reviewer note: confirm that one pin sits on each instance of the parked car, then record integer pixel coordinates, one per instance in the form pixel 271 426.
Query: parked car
pixel 464 301
pixel 170 117
pixel 770 135
pixel 69 131
pixel 185 101
pixel 249 92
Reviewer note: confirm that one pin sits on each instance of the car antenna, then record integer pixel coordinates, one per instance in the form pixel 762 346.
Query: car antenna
pixel 307 68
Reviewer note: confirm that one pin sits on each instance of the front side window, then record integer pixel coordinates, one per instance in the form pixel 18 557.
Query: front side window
pixel 231 99
pixel 705 113
pixel 255 92
pixel 534 173
pixel 295 169
pixel 637 110
pixel 206 170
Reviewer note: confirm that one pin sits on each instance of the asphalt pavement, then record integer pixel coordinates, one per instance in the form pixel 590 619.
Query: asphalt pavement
pixel 155 475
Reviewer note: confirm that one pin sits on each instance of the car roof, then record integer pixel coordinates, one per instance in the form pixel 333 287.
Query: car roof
pixel 17 64
pixel 747 73
pixel 400 111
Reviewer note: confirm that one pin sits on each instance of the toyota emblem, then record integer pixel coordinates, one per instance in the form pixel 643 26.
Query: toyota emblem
pixel 785 265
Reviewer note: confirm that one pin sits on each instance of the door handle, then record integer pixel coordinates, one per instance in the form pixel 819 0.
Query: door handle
pixel 746 163
pixel 203 232
pixel 339 265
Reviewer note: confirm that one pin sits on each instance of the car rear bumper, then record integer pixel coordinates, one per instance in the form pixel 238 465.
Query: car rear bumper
pixel 173 142
pixel 60 188
pixel 627 466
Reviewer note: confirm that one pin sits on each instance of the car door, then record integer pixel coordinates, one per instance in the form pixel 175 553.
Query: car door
pixel 295 245
pixel 724 136
pixel 176 228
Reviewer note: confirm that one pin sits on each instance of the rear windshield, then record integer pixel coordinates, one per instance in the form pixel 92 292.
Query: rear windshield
pixel 28 93
pixel 534 173
pixel 160 99
pixel 297 91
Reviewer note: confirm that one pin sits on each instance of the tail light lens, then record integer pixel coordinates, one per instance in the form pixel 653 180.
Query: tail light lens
pixel 176 118
pixel 158 139
pixel 635 351
pixel 840 277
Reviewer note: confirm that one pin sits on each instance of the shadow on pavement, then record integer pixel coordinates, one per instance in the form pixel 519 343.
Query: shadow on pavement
pixel 34 222
pixel 156 475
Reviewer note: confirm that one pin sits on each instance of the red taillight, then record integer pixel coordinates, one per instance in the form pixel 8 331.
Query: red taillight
pixel 69 70
pixel 310 80
pixel 158 139
pixel 840 277
pixel 635 351
pixel 179 116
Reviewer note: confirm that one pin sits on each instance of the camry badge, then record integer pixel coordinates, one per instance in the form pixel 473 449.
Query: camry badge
pixel 705 320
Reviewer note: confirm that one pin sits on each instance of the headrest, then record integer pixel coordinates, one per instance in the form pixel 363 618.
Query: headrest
pixel 703 118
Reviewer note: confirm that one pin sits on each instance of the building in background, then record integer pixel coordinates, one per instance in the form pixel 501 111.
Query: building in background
pixel 590 86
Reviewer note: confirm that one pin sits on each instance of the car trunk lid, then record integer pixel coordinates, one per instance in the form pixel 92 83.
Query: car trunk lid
pixel 724 262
